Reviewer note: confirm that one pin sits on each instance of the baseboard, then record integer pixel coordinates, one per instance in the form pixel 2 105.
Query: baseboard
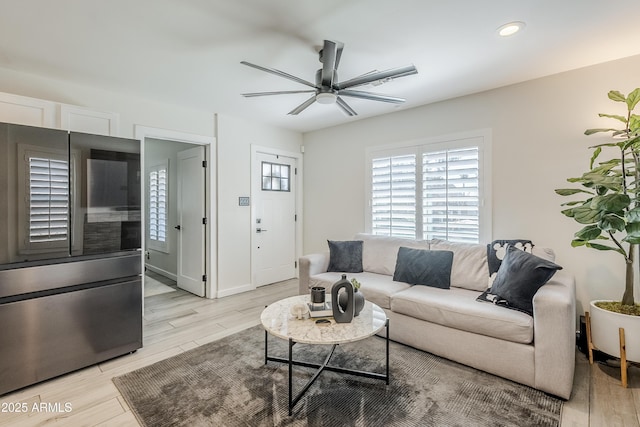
pixel 161 272
pixel 237 290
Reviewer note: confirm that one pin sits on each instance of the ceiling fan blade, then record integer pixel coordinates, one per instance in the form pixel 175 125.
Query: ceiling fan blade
pixel 381 75
pixel 372 96
pixel 280 92
pixel 300 108
pixel 339 47
pixel 345 107
pixel 279 73
pixel 328 57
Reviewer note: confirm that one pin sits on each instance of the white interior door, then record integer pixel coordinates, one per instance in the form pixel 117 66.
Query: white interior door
pixel 274 227
pixel 191 224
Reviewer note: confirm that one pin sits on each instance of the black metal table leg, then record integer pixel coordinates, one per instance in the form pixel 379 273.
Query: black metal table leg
pixel 321 367
pixel 290 375
pixel 387 325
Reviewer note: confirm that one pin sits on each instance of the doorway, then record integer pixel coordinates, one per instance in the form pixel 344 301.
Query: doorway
pixel 276 215
pixel 182 248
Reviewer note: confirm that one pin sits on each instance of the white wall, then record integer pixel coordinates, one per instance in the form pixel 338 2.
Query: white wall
pixel 235 137
pixel 537 143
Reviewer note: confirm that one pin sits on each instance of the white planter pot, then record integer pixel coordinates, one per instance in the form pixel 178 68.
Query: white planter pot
pixel 605 336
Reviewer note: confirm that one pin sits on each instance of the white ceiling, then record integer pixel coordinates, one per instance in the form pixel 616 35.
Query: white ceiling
pixel 188 52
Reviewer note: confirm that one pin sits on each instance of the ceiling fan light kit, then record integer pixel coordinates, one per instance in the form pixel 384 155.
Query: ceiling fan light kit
pixel 326 98
pixel 328 90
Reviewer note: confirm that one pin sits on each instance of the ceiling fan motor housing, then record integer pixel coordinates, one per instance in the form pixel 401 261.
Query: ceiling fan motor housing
pixel 319 78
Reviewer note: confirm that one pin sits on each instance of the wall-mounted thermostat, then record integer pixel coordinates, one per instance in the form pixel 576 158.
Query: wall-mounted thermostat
pixel 243 201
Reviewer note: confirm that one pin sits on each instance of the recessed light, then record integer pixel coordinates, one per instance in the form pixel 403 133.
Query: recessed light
pixel 511 28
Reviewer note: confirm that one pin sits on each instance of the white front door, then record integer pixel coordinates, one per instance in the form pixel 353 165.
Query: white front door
pixel 191 224
pixel 274 220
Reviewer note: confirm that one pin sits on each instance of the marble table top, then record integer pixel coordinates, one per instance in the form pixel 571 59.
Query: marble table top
pixel 278 320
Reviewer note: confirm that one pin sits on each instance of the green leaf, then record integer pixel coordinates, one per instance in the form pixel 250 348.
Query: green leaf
pixel 633 215
pixel 589 232
pixel 633 231
pixel 611 182
pixel 577 242
pixel 592 131
pixel 611 222
pixel 615 95
pixel 595 155
pixel 611 202
pixel 605 248
pixel 586 215
pixel 614 116
pixel 633 98
pixel 572 203
pixel 634 240
pixel 631 142
pixel 567 212
pixel 570 191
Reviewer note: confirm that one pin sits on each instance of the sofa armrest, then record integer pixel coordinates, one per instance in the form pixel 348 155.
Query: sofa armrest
pixel 310 265
pixel 554 317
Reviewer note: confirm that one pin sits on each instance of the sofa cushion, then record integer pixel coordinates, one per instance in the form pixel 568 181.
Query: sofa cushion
pixel 376 288
pixel 470 269
pixel 424 267
pixel 457 308
pixel 379 253
pixel 345 256
pixel 519 278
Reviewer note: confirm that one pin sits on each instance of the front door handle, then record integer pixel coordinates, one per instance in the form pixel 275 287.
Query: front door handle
pixel 260 230
pixel 177 227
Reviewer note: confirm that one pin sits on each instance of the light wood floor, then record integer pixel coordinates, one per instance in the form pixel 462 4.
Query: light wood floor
pixel 177 321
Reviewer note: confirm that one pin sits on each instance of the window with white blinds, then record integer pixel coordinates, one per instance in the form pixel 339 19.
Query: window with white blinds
pixel 393 201
pixel 450 196
pixel 158 202
pixel 48 200
pixel 428 191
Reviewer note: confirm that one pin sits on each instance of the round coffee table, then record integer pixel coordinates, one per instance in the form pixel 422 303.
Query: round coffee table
pixel 277 320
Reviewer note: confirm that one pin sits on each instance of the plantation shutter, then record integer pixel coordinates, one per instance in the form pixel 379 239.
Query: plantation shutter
pixel 450 197
pixel 48 200
pixel 158 217
pixel 393 196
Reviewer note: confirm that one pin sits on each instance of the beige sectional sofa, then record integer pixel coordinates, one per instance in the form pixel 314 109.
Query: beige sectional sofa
pixel 538 350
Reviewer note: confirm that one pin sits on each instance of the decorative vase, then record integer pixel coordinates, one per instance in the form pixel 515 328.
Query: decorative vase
pixel 358 301
pixel 340 314
pixel 605 337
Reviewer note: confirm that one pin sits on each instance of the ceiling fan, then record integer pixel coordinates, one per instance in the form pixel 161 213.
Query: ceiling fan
pixel 327 89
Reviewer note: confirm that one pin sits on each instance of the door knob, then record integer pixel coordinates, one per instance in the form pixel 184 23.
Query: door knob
pixel 177 227
pixel 260 230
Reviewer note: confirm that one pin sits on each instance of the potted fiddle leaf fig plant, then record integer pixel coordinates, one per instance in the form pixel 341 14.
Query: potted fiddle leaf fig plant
pixel 609 212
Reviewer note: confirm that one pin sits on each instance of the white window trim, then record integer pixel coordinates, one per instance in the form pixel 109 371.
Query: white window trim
pixel 449 141
pixel 155 244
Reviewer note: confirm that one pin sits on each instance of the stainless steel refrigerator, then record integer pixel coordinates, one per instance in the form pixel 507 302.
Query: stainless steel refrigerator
pixel 70 260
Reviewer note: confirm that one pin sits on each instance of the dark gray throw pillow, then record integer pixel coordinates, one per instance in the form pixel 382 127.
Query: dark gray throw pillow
pixel 424 267
pixel 345 256
pixel 519 278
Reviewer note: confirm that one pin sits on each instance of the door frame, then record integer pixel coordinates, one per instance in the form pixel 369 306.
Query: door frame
pixel 143 132
pixel 255 188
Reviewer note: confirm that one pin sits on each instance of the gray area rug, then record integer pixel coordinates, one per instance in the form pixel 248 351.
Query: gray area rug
pixel 226 383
